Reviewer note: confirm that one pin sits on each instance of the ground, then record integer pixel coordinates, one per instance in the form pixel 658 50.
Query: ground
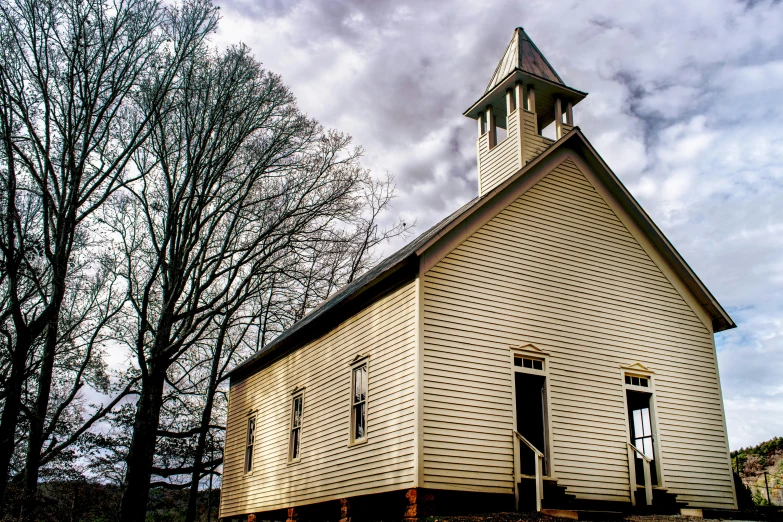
pixel 537 517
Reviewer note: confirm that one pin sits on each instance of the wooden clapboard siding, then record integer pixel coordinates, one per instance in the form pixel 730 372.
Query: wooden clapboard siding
pixel 558 269
pixel 535 144
pixel 500 162
pixel 496 165
pixel 329 468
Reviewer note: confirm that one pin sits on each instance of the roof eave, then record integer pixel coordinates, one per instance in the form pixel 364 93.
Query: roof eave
pixel 510 79
pixel 321 322
pixel 720 318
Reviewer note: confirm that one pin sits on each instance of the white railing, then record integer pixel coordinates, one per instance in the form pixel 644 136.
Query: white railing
pixel 539 466
pixel 648 492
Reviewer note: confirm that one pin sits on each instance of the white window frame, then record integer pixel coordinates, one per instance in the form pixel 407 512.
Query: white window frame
pixel 358 362
pixel 639 370
pixel 250 447
pixel 298 393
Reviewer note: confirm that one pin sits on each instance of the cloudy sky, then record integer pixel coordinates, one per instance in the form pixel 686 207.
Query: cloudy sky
pixel 684 105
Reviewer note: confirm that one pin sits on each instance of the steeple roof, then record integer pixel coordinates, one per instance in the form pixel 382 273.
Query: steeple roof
pixel 522 62
pixel 522 54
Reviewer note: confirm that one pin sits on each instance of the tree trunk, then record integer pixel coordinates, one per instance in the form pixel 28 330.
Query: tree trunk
pixel 25 333
pixel 11 409
pixel 206 417
pixel 35 438
pixel 142 448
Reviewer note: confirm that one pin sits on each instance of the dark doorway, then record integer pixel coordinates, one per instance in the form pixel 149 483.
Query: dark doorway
pixel 640 420
pixel 531 418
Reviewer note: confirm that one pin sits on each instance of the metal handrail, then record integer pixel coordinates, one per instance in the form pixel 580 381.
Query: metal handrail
pixel 539 464
pixel 648 493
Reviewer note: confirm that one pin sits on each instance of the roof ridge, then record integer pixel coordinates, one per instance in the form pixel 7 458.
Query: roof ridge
pixel 494 79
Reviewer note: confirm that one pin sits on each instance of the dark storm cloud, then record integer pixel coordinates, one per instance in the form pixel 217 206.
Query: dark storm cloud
pixel 682 105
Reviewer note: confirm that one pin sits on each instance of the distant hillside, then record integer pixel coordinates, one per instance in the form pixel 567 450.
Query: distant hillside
pixel 752 463
pixel 767 448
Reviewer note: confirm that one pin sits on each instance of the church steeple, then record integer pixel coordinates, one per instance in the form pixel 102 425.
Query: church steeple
pixel 524 95
pixel 521 53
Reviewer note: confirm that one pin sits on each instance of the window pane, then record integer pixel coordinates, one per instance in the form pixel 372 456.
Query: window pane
pixel 643 382
pixel 248 459
pixel 527 363
pixel 635 381
pixel 295 444
pixel 359 383
pixel 538 365
pixel 251 431
pixel 637 424
pixel 627 379
pixel 297 420
pixel 646 428
pixel 251 435
pixel 517 361
pixel 648 447
pixel 359 412
pixel 357 387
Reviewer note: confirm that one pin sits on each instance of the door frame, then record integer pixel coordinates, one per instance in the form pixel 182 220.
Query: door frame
pixel 639 370
pixel 531 351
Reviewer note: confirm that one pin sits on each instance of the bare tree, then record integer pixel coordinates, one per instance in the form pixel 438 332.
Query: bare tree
pixel 70 76
pixel 237 185
pixel 310 273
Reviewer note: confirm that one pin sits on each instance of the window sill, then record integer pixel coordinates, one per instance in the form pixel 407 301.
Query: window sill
pixel 358 442
pixel 292 462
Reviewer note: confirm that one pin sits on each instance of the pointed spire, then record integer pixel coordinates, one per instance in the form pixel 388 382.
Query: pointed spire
pixel 522 54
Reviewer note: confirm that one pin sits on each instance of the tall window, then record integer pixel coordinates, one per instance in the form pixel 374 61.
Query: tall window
pixel 249 443
pixel 359 404
pixel 295 441
pixel 639 396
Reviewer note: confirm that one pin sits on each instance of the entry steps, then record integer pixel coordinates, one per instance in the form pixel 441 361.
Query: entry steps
pixel 558 502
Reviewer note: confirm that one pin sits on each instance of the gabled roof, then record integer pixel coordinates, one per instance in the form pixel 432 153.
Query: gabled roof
pixel 403 265
pixel 521 53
